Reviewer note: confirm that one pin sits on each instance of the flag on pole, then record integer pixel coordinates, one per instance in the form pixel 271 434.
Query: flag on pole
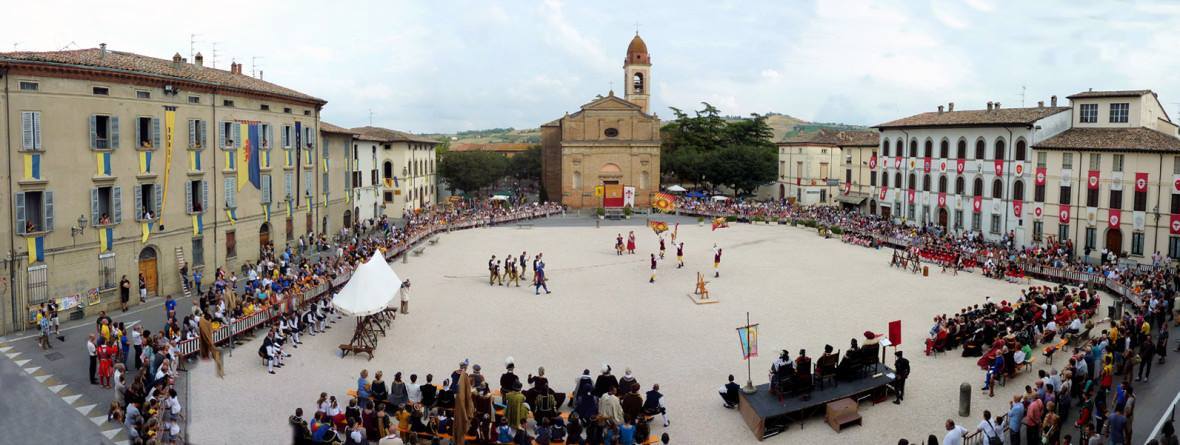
pixel 720 223
pixel 748 340
pixel 664 202
pixel 658 226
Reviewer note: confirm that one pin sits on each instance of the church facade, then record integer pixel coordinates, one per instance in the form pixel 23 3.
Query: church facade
pixel 607 154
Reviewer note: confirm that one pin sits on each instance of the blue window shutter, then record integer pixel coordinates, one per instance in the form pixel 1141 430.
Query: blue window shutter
pixel 188 198
pixel 156 132
pixel 48 210
pixel 192 132
pixel 114 133
pixel 93 133
pixel 221 134
pixel 159 197
pixel 138 203
pixel 138 132
pixel 94 216
pixel 204 195
pixel 18 200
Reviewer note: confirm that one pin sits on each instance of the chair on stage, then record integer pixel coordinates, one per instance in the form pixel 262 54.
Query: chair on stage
pixel 803 381
pixel 825 369
pixel 870 356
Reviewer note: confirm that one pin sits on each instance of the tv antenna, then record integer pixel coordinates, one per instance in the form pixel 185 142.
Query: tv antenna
pixel 68 45
pixel 254 66
pixel 1022 90
pixel 215 54
pixel 192 46
pixel 370 117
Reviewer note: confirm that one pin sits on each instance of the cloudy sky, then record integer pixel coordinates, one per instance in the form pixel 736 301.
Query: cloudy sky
pixel 430 66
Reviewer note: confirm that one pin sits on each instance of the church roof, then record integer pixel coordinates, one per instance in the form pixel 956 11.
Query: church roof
pixel 637 51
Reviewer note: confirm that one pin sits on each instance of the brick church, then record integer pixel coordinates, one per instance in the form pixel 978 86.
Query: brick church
pixel 607 154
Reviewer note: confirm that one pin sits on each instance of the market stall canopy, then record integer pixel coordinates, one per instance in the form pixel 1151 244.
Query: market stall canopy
pixel 372 288
pixel 500 198
pixel 695 195
pixel 675 188
pixel 720 198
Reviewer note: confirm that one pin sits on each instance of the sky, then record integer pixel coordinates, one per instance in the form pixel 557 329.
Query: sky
pixel 444 66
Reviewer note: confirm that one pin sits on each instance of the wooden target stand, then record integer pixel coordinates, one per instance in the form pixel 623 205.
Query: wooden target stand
pixel 700 294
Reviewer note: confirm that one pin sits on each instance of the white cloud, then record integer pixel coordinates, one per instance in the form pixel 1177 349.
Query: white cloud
pixel 981 5
pixel 564 35
pixel 771 74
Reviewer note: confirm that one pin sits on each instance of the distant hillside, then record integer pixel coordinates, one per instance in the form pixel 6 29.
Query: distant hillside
pixel 784 126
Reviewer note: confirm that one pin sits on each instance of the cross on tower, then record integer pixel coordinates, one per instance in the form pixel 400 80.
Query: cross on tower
pixel 636 28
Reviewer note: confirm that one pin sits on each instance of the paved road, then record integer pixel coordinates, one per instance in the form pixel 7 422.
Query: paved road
pixel 31 413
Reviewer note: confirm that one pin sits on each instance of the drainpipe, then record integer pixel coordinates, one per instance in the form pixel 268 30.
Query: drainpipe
pixel 11 216
pixel 905 175
pixel 1155 239
pixel 1008 182
pixel 319 188
pixel 1078 226
pixel 214 188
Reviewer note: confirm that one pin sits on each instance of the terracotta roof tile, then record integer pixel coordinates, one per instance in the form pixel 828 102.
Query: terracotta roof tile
pixel 964 118
pixel 387 135
pixel 1113 93
pixel 1114 139
pixel 826 136
pixel 329 128
pixel 151 66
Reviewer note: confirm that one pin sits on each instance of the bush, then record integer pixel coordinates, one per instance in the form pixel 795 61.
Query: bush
pixel 731 218
pixel 837 230
pixel 759 219
pixel 627 211
pixel 700 219
pixel 600 211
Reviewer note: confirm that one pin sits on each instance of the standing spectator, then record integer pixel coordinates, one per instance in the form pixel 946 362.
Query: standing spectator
pixel 1116 427
pixel 124 292
pixel 170 307
pixel 1015 419
pixel 197 275
pixel 954 434
pixel 902 370
pixel 93 351
pixel 1032 421
pixel 137 344
pixel 987 427
pixel 142 289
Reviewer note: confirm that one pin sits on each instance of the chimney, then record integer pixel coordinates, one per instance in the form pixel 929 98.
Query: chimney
pixel 259 74
pixel 1040 104
pixel 997 105
pixel 1053 100
pixel 176 60
pixel 940 109
pixel 989 105
pixel 235 68
pixel 102 50
pixel 950 107
pixel 199 60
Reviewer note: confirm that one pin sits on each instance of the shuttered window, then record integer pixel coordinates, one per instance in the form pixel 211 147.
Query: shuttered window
pixel 231 199
pixel 30 122
pixel 266 192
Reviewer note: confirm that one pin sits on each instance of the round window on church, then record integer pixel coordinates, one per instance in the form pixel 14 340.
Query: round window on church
pixel 611 132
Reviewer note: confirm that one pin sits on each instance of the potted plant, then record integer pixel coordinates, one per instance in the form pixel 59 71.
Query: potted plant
pixel 601 212
pixel 700 221
pixel 627 212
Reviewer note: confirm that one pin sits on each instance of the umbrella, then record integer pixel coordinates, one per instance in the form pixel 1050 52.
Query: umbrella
pixel 695 195
pixel 370 290
pixel 675 188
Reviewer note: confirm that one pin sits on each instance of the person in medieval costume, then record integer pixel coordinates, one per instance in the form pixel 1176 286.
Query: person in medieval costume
pixel 631 242
pixel 516 411
pixel 464 408
pixel 208 348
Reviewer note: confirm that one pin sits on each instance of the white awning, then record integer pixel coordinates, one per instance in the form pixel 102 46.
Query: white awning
pixel 372 288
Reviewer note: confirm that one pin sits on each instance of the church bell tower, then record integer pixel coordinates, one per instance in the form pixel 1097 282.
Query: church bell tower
pixel 637 73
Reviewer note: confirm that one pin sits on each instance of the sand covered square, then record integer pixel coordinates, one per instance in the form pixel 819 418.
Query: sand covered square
pixel 805 291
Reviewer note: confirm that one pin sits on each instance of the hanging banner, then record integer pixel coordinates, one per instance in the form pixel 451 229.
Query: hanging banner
pixel 169 142
pixel 897 162
pixel 1040 176
pixel 1174 224
pixel 882 194
pixel 913 163
pixel 1092 180
pixel 847 188
pixel 1038 210
pixel 910 195
pixel 960 166
pixel 1115 216
pixel 1063 214
pixel 977 204
pixel 1140 182
pixel 748 340
pixel 942 199
pixel 1018 169
pixel 873 161
pixel 999 167
pixel 926 165
pixel 942 166
pixel 628 196
pixel 1017 207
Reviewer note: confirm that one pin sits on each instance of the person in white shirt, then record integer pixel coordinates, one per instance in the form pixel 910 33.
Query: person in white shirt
pixel 1018 357
pixel 414 390
pixel 954 434
pixel 988 428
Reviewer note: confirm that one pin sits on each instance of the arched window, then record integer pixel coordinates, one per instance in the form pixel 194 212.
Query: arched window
pixel 998 189
pixel 387 169
pixel 913 149
pixel 884 180
pixel 637 83
pixel 1018 190
pixel 913 180
pixel 1021 150
pixel 885 148
pixel 959 185
pixel 897 180
pixel 977 187
pixel 944 149
pixel 926 183
pixel 942 183
pixel 929 148
pixel 577 180
pixel 980 147
pixel 898 148
pixel 962 151
pixel 999 153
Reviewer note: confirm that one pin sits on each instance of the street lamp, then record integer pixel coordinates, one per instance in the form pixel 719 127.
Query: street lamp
pixel 78 229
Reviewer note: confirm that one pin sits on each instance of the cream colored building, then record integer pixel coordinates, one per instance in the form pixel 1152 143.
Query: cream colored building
pixel 814 169
pixel 104 142
pixel 1113 179
pixel 612 143
pixel 403 174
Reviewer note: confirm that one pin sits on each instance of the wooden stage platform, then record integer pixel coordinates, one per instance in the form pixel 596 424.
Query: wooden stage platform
pixel 767 416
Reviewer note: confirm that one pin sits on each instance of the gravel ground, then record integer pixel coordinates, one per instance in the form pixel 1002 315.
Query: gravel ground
pixel 804 290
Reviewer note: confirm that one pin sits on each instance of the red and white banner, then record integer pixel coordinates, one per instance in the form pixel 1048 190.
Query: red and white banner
pixel 999 167
pixel 1174 224
pixel 913 163
pixel 1038 210
pixel 1018 169
pixel 1176 184
pixel 1140 182
pixel 960 166
pixel 910 195
pixel 873 161
pixel 1017 207
pixel 1092 180
pixel 1040 178
pixel 1063 214
pixel 977 204
pixel 897 162
pixel 926 165
pixel 847 188
pixel 882 195
pixel 942 166
pixel 942 199
pixel 1115 217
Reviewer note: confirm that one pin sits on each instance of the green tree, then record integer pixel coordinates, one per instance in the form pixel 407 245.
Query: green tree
pixel 471 171
pixel 444 145
pixel 706 149
pixel 526 165
pixel 742 168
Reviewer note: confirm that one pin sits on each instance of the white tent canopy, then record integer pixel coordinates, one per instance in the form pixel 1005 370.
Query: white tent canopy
pixel 720 198
pixel 675 188
pixel 371 289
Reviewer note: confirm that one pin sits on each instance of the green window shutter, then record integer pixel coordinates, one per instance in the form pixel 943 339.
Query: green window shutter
pixel 48 210
pixel 18 199
pixel 93 133
pixel 94 216
pixel 114 133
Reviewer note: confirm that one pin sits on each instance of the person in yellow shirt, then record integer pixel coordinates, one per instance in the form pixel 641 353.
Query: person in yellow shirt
pixel 1146 328
pixel 403 423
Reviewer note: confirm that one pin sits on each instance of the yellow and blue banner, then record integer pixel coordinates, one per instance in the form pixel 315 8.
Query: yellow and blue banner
pixel 169 143
pixel 252 166
pixel 232 215
pixel 290 157
pixel 325 165
pixel 194 160
pixel 266 213
pixel 198 224
pixel 231 159
pixel 748 340
pixel 103 161
pixel 32 166
pixel 106 239
pixel 288 209
pixel 243 155
pixel 145 162
pixel 265 161
pixel 146 227
pixel 36 248
pixel 325 200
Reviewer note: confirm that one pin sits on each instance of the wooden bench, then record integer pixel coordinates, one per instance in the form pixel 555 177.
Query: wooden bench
pixel 346 348
pixel 841 413
pixel 1026 366
pixel 1053 348
pixel 418 251
pixel 524 226
pixel 433 241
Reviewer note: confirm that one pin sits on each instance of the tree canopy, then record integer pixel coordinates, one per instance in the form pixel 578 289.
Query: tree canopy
pixel 708 150
pixel 471 171
pixel 526 165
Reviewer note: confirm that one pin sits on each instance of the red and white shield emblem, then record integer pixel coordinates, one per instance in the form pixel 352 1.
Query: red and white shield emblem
pixel 1177 185
pixel 1114 220
pixel 1093 181
pixel 873 162
pixel 941 200
pixel 960 166
pixel 882 194
pixel 942 166
pixel 977 204
pixel 1019 169
pixel 999 167
pixel 1141 184
pixel 1037 211
pixel 1176 226
pixel 1040 177
pixel 1064 216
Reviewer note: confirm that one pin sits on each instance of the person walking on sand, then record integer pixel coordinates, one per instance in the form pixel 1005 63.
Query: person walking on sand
pixel 716 261
pixel 661 247
pixel 524 260
pixel 619 244
pixel 631 242
pixel 653 269
pixel 680 255
pixel 492 271
pixel 539 279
